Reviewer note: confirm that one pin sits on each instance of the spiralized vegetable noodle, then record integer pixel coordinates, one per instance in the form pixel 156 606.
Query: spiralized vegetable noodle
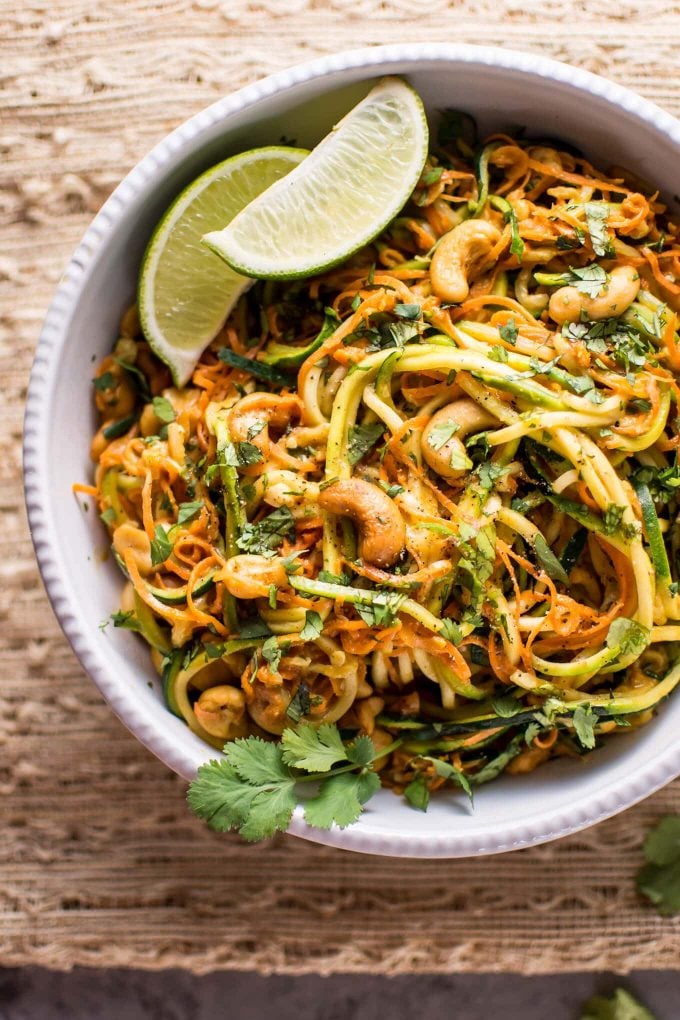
pixel 430 494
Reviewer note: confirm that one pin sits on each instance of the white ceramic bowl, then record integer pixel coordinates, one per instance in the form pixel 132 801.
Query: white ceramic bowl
pixel 503 89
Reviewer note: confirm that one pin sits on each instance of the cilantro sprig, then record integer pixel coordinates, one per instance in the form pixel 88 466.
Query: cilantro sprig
pixel 621 1006
pixel 255 787
pixel 659 879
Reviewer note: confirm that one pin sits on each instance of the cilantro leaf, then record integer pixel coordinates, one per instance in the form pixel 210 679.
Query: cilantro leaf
pixel 315 749
pixel 493 768
pixel 301 703
pixel 313 626
pixel 270 811
pixel 417 793
pixel 255 429
pixel 220 797
pixel 621 1006
pixel 328 578
pixel 591 280
pixel 596 221
pixel 383 609
pixel 408 311
pixel 255 628
pixel 187 511
pixel 450 772
pixel 459 461
pixel 128 621
pixel 267 535
pixel 247 454
pixel 105 381
pixel 548 561
pixel 489 473
pixel 362 439
pixel 361 751
pixel 584 724
pixel 440 434
pixel 271 653
pixel 508 332
pixel 251 790
pixel 118 428
pixel 257 761
pixel 341 798
pixel 498 353
pixel 451 631
pixel 161 546
pixel 163 410
pixel 659 879
pixel 628 636
pixel 506 707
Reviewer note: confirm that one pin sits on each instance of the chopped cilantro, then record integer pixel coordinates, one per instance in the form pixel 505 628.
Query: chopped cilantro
pixel 509 332
pixel 408 311
pixel 267 535
pixel 271 653
pixel 105 381
pixel 161 546
pixel 417 793
pixel 362 439
pixel 187 511
pixel 163 410
pixel 313 626
pixel 440 434
pixel 596 220
pixel 584 724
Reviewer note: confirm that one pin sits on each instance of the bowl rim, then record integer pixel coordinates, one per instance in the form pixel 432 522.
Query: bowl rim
pixel 148 727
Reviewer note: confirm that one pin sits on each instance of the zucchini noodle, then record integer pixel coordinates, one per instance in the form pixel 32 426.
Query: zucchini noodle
pixel 431 494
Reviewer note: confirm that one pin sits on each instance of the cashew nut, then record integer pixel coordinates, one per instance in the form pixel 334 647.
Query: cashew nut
pixel 459 256
pixel 221 711
pixel 568 304
pixel 382 533
pixel 469 417
pixel 130 536
pixel 249 576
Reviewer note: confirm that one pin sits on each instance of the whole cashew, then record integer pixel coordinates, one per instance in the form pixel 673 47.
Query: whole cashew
pixel 130 536
pixel 459 256
pixel 382 533
pixel 249 576
pixel 469 417
pixel 221 711
pixel 568 304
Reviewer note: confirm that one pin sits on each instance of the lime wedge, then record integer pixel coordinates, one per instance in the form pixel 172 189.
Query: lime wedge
pixel 347 190
pixel 185 292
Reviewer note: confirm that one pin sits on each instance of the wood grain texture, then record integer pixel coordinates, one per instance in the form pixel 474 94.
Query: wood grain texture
pixel 100 862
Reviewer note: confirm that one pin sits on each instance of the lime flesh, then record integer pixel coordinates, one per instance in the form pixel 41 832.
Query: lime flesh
pixel 341 197
pixel 185 291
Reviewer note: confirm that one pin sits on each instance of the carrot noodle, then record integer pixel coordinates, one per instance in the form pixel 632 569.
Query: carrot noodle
pixel 337 523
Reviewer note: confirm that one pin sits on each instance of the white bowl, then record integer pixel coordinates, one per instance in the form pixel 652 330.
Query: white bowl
pixel 503 89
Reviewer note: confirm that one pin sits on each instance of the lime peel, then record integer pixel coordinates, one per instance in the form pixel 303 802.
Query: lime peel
pixel 340 198
pixel 185 293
